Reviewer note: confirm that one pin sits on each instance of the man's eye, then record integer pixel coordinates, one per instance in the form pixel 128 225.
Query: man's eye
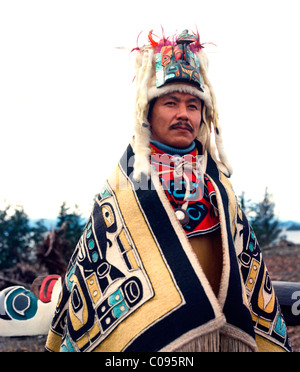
pixel 170 103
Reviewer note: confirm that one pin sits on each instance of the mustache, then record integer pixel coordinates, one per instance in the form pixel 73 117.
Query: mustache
pixel 182 124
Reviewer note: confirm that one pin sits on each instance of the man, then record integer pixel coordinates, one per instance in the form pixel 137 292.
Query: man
pixel 175 122
pixel 168 261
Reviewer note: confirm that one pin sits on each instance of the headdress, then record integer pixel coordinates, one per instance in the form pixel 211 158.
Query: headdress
pixel 176 64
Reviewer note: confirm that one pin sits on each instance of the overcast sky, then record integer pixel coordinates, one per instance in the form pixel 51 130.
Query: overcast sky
pixel 66 93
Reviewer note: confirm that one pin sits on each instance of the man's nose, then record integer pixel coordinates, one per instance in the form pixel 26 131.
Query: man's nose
pixel 182 113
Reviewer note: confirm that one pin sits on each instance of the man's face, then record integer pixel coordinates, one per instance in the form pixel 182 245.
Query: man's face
pixel 175 119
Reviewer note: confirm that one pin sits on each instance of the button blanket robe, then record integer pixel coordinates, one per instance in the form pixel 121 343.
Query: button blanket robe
pixel 134 282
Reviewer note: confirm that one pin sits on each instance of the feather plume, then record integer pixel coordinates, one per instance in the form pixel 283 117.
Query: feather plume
pixel 151 40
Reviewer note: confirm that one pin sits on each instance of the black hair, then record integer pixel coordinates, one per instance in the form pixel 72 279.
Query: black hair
pixel 151 104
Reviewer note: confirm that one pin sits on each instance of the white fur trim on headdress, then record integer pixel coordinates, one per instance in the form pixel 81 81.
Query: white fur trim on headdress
pixel 141 126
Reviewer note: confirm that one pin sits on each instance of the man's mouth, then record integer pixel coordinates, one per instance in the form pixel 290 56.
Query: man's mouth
pixel 183 126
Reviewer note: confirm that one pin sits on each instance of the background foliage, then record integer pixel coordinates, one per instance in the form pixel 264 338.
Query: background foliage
pixel 19 237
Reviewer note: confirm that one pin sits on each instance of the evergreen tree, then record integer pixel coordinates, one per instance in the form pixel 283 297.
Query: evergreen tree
pixel 75 224
pixel 15 235
pixel 38 230
pixel 19 241
pixel 4 238
pixel 264 222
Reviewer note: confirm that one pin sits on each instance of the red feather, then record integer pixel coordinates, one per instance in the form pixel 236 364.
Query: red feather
pixel 150 38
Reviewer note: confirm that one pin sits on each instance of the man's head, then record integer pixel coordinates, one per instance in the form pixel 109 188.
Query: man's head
pixel 174 67
pixel 175 119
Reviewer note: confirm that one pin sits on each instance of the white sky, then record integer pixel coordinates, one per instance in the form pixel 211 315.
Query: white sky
pixel 66 93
